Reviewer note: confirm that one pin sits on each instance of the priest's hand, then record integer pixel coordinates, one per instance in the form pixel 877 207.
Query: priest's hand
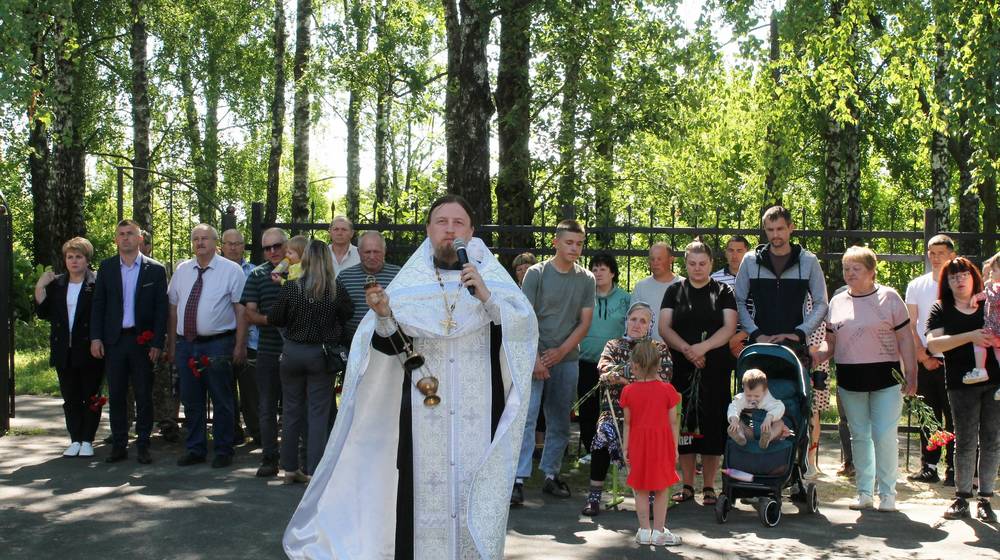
pixel 378 300
pixel 472 279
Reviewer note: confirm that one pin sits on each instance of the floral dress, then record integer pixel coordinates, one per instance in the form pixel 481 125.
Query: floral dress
pixel 610 423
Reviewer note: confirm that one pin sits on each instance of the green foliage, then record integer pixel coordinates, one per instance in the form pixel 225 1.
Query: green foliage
pixel 671 127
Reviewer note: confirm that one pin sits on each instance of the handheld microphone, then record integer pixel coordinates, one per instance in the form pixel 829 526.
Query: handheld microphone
pixel 463 257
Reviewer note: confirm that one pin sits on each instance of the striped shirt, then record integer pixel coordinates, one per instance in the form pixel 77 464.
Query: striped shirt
pixel 723 276
pixel 253 333
pixel 353 280
pixel 261 290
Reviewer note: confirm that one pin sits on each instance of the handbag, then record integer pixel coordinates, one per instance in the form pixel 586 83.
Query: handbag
pixel 334 357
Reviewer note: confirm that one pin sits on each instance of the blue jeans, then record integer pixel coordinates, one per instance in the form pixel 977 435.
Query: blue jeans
pixel 560 392
pixel 874 419
pixel 217 380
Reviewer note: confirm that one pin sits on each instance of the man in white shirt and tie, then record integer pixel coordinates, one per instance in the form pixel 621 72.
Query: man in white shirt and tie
pixel 205 337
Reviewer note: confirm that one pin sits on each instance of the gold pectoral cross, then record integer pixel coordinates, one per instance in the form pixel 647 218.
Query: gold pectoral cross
pixel 448 324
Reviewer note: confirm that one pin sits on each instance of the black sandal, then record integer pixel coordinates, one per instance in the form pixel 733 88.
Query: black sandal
pixel 686 493
pixel 709 498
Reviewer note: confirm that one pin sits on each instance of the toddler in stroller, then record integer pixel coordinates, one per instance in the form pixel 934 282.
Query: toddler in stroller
pixel 755 396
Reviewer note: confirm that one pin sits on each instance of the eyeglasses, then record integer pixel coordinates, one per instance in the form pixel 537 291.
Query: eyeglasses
pixel 959 276
pixel 275 247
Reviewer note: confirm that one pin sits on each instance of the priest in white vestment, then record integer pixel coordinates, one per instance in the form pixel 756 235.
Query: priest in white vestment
pixel 400 479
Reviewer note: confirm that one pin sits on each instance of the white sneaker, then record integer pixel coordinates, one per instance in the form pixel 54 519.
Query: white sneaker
pixel 644 536
pixel 887 503
pixel 864 502
pixel 73 450
pixel 665 538
pixel 977 375
pixel 585 460
pixel 86 449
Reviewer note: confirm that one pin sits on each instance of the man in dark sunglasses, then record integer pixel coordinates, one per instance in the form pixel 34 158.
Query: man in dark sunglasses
pixel 259 294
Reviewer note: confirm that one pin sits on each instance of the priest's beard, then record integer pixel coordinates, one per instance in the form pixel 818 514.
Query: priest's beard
pixel 445 252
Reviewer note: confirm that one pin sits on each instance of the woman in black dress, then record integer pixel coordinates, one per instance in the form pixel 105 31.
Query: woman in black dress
pixel 697 319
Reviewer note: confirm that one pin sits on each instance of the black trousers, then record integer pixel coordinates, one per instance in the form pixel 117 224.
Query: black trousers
pixel 930 385
pixel 127 364
pixel 246 397
pixel 78 383
pixel 600 462
pixel 590 408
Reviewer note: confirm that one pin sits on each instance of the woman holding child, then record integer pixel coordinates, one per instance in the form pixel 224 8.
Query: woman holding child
pixel 867 338
pixel 697 319
pixel 955 328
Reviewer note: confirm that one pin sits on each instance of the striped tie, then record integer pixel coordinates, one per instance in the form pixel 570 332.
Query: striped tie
pixel 191 309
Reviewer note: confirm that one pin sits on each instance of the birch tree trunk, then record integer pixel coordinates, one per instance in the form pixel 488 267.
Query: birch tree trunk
pixel 192 127
pixel 68 179
pixel 382 108
pixel 277 117
pixel 208 196
pixel 38 153
pixel 142 206
pixel 513 98
pixel 359 23
pixel 772 193
pixel 566 138
pixel 469 104
pixel 300 151
pixel 603 119
pixel 832 206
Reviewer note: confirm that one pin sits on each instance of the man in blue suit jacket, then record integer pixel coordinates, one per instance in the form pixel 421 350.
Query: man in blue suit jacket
pixel 127 328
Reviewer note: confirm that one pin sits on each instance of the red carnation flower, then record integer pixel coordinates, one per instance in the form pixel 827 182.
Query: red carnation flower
pixel 205 361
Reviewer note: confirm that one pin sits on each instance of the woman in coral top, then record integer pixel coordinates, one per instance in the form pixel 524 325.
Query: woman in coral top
pixel 651 434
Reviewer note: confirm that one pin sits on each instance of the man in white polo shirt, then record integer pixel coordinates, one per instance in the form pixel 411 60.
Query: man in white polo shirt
pixel 206 336
pixel 345 254
pixel 650 290
pixel 921 293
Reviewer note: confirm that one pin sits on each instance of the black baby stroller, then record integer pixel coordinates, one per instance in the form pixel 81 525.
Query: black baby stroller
pixel 781 465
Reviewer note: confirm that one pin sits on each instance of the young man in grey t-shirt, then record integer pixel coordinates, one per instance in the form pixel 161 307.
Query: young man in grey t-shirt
pixel 562 293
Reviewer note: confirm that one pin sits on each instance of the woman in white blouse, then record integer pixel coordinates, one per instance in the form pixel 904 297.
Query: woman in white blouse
pixel 64 300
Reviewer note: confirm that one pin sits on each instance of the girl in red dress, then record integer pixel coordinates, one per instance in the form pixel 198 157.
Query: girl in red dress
pixel 650 447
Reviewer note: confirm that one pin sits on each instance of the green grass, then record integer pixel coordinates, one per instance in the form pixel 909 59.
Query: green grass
pixel 32 373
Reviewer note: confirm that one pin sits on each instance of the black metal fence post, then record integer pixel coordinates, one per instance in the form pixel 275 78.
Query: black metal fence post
pixel 256 231
pixel 6 317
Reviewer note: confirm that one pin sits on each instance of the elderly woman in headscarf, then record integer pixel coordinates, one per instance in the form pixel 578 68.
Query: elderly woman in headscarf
pixel 615 375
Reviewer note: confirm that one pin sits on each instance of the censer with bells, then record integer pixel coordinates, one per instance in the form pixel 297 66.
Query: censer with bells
pixel 428 384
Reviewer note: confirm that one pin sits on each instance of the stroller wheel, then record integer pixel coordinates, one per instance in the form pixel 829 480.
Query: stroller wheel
pixel 769 511
pixel 722 508
pixel 812 499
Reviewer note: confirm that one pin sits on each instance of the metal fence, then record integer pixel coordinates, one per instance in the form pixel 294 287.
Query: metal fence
pixel 629 243
pixel 6 317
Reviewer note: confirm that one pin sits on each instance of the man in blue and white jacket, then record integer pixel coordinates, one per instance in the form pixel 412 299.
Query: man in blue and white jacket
pixel 777 277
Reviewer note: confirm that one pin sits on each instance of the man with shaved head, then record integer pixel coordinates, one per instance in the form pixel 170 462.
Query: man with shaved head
pixel 650 290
